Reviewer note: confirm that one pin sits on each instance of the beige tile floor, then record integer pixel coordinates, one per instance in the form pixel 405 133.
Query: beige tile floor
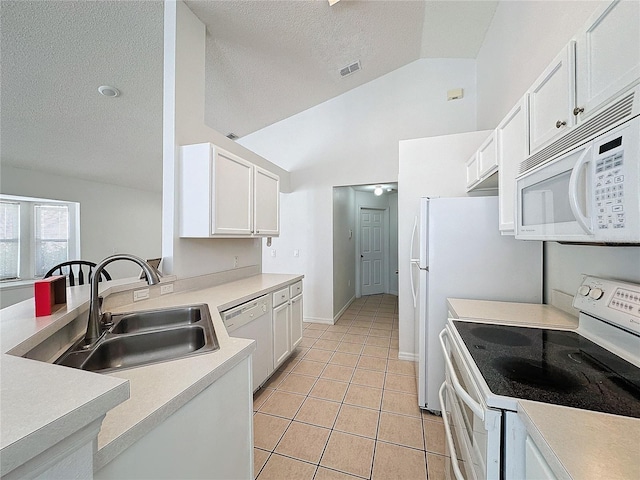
pixel 344 407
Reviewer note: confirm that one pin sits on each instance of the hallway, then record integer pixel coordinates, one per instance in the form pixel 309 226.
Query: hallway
pixel 344 407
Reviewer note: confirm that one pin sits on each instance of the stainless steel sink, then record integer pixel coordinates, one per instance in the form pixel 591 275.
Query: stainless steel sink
pixel 143 338
pixel 155 319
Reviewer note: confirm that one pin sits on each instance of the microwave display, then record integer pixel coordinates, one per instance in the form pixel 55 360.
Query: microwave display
pixel 547 202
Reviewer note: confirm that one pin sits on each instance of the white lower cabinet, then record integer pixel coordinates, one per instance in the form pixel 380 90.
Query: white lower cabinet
pixel 296 321
pixel 209 437
pixel 281 336
pixel 287 322
pixel 536 467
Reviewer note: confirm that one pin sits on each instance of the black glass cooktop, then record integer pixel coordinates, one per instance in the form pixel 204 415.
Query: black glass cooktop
pixel 552 366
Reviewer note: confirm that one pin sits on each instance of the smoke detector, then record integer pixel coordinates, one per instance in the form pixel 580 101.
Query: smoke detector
pixel 108 91
pixel 349 69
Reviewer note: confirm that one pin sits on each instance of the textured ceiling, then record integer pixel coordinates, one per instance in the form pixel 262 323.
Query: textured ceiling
pixel 55 55
pixel 266 60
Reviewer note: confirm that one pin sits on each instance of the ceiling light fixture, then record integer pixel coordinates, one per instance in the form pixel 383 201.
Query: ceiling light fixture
pixel 333 2
pixel 378 190
pixel 108 91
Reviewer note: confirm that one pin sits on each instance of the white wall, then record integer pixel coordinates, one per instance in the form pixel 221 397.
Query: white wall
pixel 344 248
pixel 350 140
pixel 183 124
pixel 113 219
pixel 523 38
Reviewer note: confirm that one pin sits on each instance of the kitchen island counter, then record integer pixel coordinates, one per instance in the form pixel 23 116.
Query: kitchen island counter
pixel 156 391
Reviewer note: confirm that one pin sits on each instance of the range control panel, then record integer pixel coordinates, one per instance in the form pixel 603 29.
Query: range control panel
pixel 611 300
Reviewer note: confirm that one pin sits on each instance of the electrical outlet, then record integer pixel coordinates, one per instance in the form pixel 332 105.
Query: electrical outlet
pixel 273 252
pixel 140 294
pixel 167 288
pixel 296 253
pixel 236 262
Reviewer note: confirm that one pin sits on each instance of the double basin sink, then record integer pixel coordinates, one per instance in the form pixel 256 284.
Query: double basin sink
pixel 141 338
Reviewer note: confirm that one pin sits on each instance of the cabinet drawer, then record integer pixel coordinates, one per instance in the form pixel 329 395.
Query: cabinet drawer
pixel 295 289
pixel 280 297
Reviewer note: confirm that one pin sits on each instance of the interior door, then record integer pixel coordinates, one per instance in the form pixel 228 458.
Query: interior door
pixel 372 250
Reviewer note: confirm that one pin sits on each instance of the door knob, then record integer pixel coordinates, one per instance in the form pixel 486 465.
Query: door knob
pixel 578 110
pixel 560 124
pixel 361 256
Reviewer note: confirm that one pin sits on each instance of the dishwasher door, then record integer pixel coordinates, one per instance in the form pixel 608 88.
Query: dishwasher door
pixel 252 320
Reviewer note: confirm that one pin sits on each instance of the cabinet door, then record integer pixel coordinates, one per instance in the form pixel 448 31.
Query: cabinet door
pixel 487 157
pixel 607 55
pixel 296 321
pixel 266 203
pixel 472 171
pixel 535 464
pixel 513 148
pixel 232 200
pixel 551 100
pixel 281 334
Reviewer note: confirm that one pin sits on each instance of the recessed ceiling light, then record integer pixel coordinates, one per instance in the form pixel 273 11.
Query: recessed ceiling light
pixel 378 190
pixel 108 91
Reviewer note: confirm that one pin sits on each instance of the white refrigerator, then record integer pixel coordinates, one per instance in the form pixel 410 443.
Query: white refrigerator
pixel 457 251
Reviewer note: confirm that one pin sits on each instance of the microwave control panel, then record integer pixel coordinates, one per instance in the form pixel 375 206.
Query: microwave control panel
pixel 608 188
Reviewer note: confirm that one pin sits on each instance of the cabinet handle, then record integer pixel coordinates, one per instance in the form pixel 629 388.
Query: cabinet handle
pixel 578 110
pixel 560 124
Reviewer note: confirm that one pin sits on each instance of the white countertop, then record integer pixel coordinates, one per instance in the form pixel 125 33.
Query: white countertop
pixel 581 444
pixel 577 444
pixel 506 313
pixel 156 391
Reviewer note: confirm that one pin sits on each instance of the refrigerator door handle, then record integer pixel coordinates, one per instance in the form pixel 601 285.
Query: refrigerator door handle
pixel 413 237
pixel 413 288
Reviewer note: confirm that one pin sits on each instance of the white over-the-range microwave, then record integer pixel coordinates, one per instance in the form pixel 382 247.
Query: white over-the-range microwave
pixel 588 193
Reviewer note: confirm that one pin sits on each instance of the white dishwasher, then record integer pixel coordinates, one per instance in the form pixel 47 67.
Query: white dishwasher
pixel 252 320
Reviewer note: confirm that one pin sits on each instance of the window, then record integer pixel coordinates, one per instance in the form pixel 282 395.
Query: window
pixel 9 240
pixel 51 236
pixel 35 235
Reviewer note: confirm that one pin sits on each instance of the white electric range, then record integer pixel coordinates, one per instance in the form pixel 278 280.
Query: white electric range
pixel 490 367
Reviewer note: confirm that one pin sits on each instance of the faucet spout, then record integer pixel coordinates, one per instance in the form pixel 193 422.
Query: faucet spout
pixel 93 324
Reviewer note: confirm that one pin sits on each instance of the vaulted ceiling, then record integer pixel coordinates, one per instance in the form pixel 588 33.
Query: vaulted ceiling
pixel 266 60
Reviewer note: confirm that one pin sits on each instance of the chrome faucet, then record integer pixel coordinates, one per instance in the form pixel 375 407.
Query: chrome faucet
pixel 95 315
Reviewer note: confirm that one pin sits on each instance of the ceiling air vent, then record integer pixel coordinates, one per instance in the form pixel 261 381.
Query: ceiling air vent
pixel 232 136
pixel 349 69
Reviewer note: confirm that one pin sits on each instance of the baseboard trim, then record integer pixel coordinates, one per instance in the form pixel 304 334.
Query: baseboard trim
pixel 326 321
pixel 412 357
pixel 344 309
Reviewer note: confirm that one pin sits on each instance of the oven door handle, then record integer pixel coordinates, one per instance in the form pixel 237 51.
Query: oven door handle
pixel 449 436
pixel 475 407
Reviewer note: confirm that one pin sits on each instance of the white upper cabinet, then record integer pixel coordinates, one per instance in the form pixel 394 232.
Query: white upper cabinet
pixel 513 148
pixel 488 157
pixel 482 166
pixel 223 195
pixel 473 176
pixel 266 203
pixel 607 55
pixel 231 194
pixel 552 99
